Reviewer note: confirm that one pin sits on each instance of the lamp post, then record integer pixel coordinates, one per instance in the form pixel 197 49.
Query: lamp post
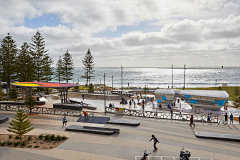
pixel 112 83
pixel 104 96
pixel 184 75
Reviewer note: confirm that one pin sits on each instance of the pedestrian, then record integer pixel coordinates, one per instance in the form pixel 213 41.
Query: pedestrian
pixel 143 105
pixel 226 118
pixel 110 105
pixel 138 98
pixel 180 112
pixel 231 118
pixel 64 121
pixel 85 115
pixel 83 96
pixel 130 103
pixel 171 113
pixel 113 105
pixel 160 106
pixel 208 118
pixel 153 105
pixel 178 100
pixel 134 104
pixel 239 119
pixel 155 142
pixel 191 121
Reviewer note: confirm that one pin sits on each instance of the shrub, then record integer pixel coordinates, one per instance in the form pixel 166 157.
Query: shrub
pixel 9 143
pixel 63 137
pixel 3 143
pixel 52 137
pixel 29 146
pixel 10 136
pixel 58 138
pixel 23 143
pixel 40 136
pixel 47 138
pixel 36 146
pixel 17 137
pixel 16 144
pixel 29 138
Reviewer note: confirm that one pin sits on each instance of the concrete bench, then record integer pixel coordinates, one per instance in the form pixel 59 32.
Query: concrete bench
pixel 3 118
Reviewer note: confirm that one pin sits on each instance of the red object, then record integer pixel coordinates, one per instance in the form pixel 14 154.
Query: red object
pixel 85 113
pixel 222 66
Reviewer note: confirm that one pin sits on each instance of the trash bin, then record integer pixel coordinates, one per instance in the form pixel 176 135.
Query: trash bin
pixel 119 111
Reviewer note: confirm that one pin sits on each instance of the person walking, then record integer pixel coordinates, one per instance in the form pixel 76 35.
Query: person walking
pixel 239 119
pixel 171 113
pixel 231 118
pixel 130 104
pixel 155 142
pixel 64 121
pixel 208 118
pixel 191 121
pixel 143 105
pixel 226 118
pixel 134 104
pixel 83 96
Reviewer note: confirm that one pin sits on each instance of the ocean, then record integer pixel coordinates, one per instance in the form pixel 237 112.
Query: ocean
pixel 161 77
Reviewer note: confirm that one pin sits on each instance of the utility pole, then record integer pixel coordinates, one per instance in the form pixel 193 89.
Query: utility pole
pixel 172 75
pixel 104 96
pixel 112 83
pixel 184 74
pixel 122 80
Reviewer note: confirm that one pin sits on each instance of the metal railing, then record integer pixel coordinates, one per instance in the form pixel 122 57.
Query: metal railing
pixel 44 110
pixel 165 115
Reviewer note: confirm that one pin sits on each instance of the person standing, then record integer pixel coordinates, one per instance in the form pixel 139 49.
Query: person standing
pixel 130 104
pixel 171 113
pixel 134 104
pixel 83 96
pixel 239 119
pixel 191 121
pixel 231 118
pixel 155 142
pixel 85 115
pixel 226 118
pixel 143 105
pixel 208 118
pixel 64 121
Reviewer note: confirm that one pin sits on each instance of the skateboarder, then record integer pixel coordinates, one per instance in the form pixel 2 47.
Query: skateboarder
pixel 155 141
pixel 191 121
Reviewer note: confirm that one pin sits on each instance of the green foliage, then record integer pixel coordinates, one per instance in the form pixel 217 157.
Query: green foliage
pixel 91 88
pixel 88 64
pixel 145 89
pixel 29 146
pixel 23 143
pixel 30 103
pixel 16 144
pixel 20 124
pixel 29 138
pixel 1 93
pixel 67 66
pixel 41 60
pixel 10 136
pixel 236 91
pixel 40 136
pixel 3 143
pixel 9 143
pixel 59 72
pixel 63 137
pixel 8 52
pixel 47 138
pixel 58 138
pixel 13 93
pixel 52 137
pixel 17 137
pixel 36 146
pixel 25 64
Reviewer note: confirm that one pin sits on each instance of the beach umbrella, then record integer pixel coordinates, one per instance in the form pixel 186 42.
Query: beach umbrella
pixel 159 101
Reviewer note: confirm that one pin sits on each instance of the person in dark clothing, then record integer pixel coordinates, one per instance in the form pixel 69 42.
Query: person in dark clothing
pixel 155 142
pixel 191 121
pixel 239 119
pixel 110 105
pixel 231 118
pixel 171 113
pixel 143 105
pixel 226 118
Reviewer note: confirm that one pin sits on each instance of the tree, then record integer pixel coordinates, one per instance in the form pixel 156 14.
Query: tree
pixel 67 66
pixel 25 64
pixel 88 63
pixel 13 93
pixel 235 99
pixel 91 88
pixel 8 60
pixel 42 61
pixel 21 125
pixel 145 89
pixel 30 103
pixel 59 72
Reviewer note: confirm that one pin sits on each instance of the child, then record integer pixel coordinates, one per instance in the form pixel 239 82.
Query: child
pixel 64 121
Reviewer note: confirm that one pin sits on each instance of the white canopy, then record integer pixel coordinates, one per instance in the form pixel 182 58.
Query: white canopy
pixel 164 91
pixel 206 93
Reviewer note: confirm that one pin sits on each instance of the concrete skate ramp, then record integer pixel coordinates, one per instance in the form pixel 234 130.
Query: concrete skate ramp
pixel 228 137
pixel 3 118
pixel 124 122
pixel 97 130
pixel 94 119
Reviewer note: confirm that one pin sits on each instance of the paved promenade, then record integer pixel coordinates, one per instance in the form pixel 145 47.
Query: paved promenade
pixel 131 142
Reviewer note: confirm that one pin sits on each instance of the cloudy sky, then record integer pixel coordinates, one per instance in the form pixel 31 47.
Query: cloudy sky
pixel 134 33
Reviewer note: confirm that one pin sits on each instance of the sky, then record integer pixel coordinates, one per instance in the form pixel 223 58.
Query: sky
pixel 131 33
